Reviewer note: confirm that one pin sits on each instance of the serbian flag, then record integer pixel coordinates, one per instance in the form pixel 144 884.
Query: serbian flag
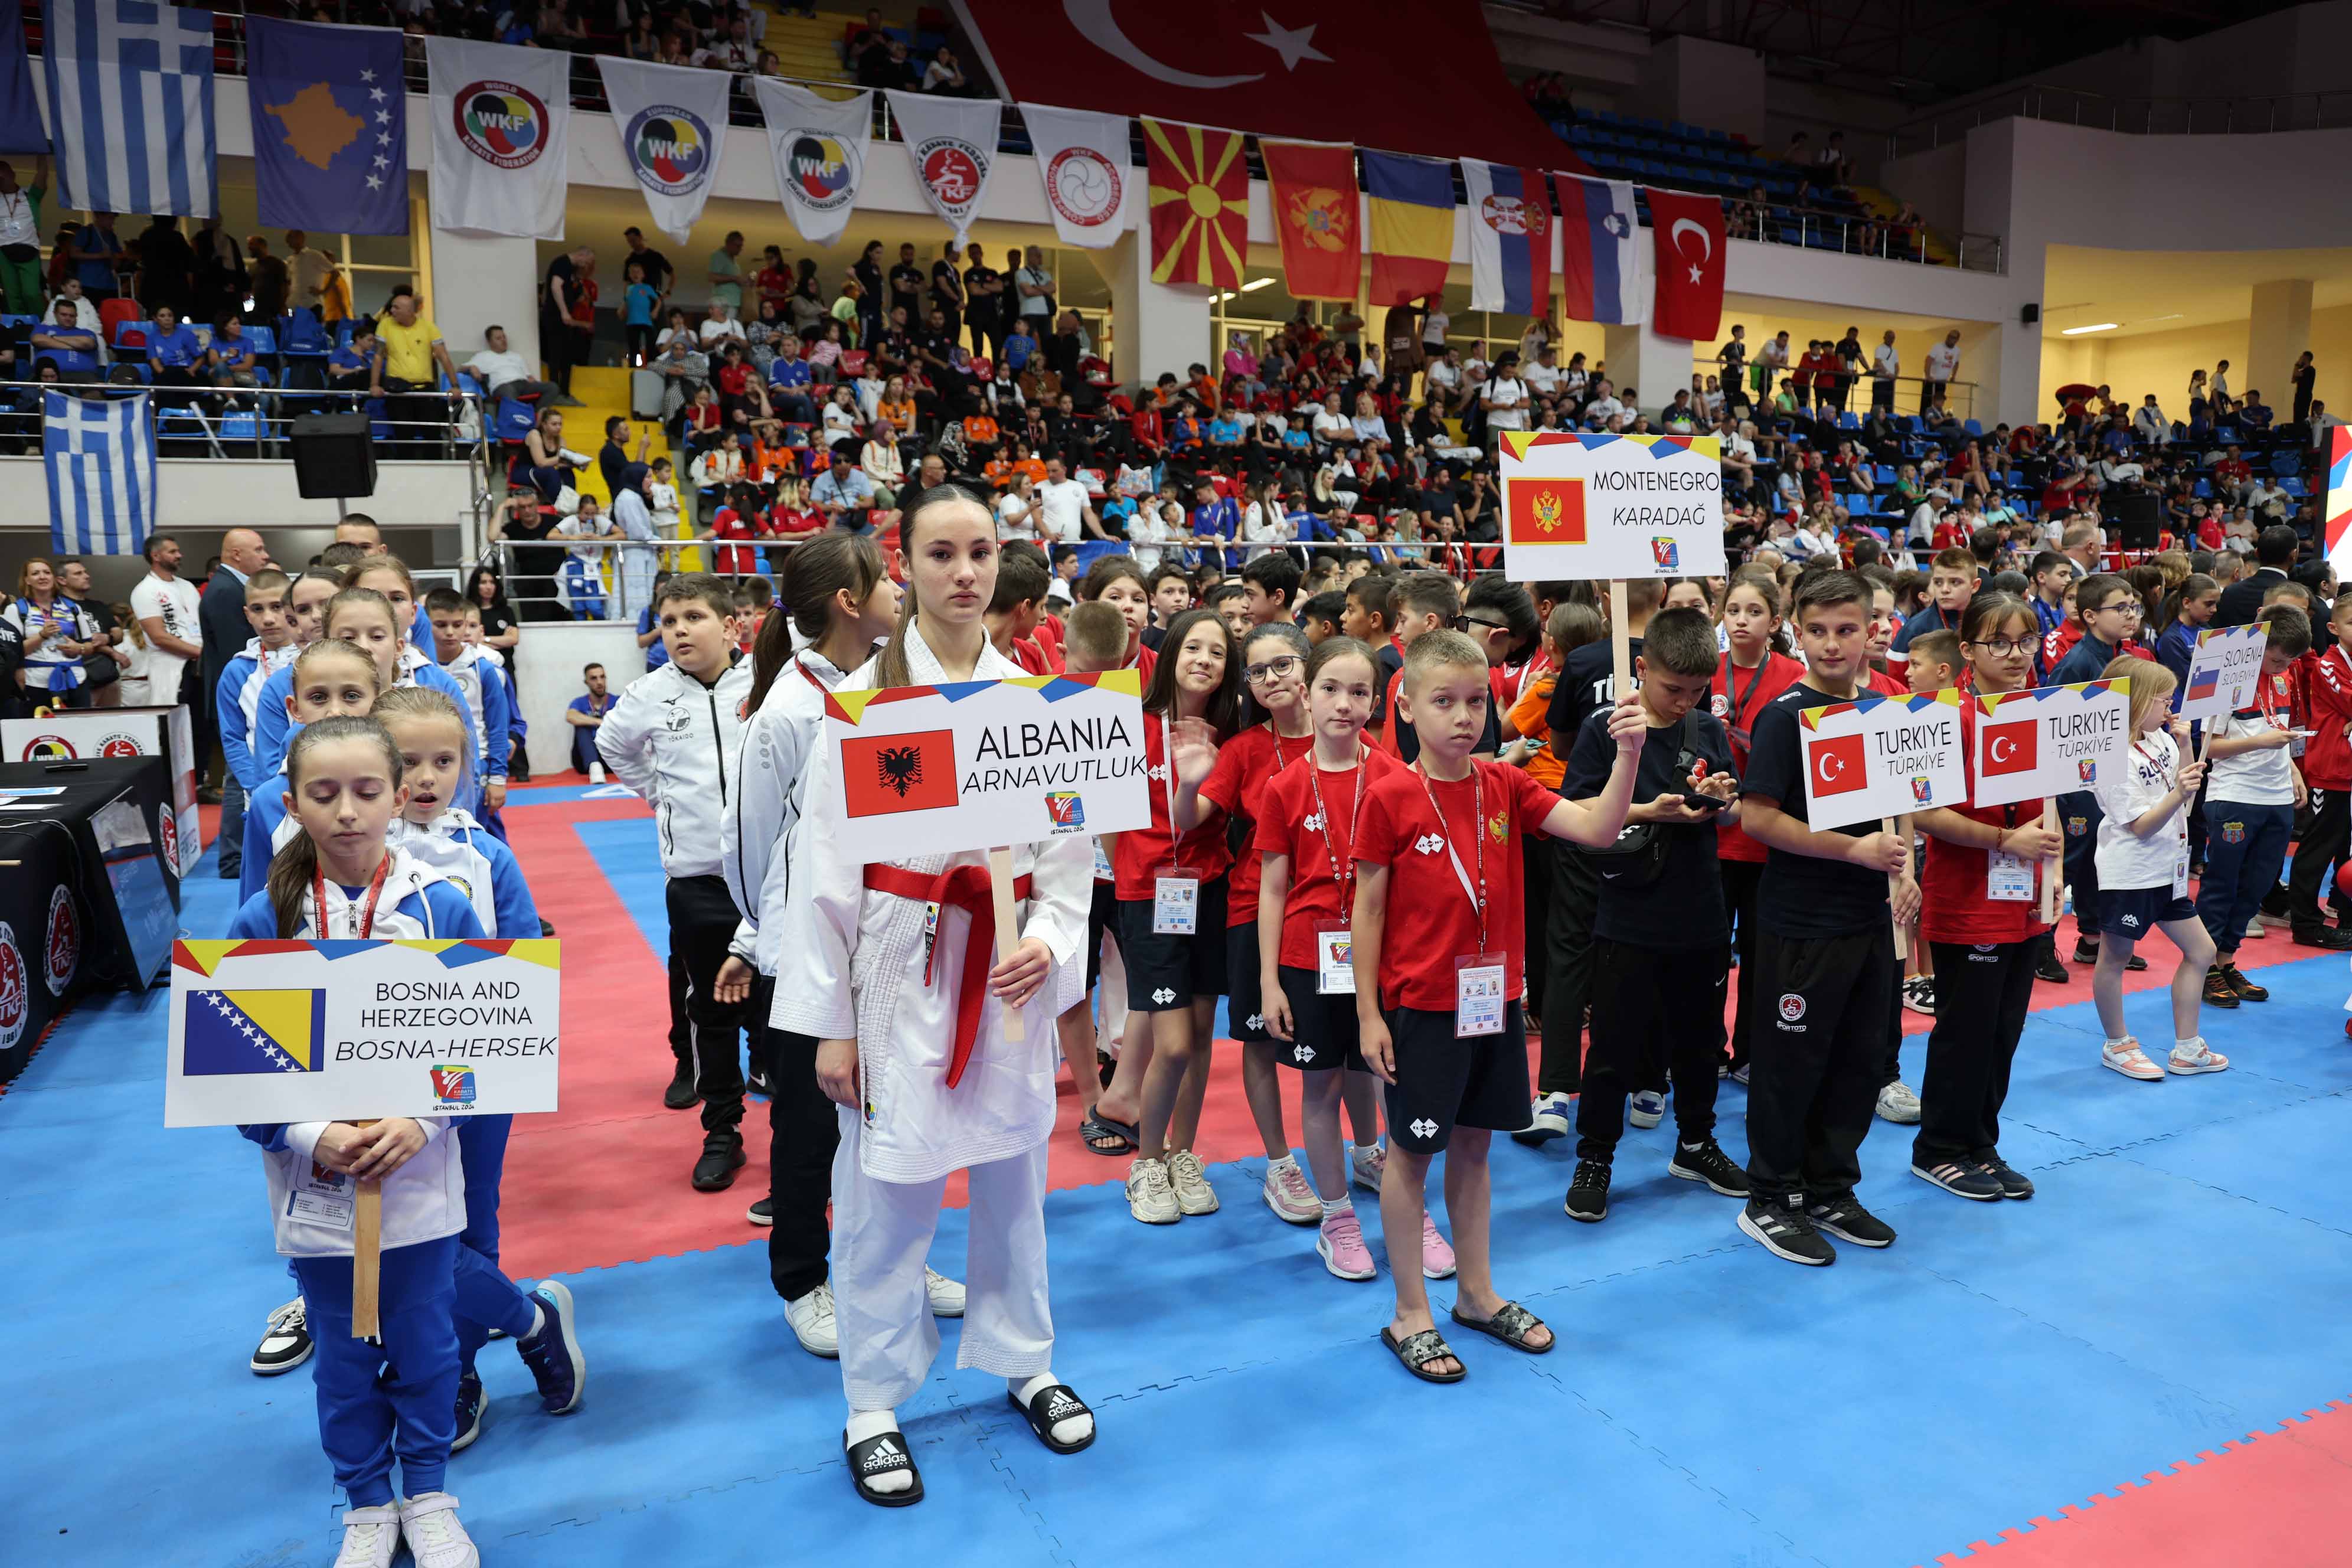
pixel 1200 204
pixel 1688 233
pixel 1314 216
pixel 1604 264
pixel 1510 239
pixel 2338 518
pixel 1412 226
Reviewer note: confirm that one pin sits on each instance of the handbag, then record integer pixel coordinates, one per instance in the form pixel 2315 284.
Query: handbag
pixel 567 500
pixel 1638 858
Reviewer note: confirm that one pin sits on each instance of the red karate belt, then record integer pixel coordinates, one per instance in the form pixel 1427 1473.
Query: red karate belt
pixel 964 888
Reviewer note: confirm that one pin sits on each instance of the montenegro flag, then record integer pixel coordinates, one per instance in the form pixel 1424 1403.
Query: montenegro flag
pixel 1543 512
pixel 1315 202
pixel 1200 204
pixel 1411 223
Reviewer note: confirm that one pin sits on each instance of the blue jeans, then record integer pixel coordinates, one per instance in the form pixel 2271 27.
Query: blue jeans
pixel 2245 846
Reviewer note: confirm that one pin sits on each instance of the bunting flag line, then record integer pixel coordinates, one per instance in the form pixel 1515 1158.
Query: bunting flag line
pixel 672 121
pixel 1604 262
pixel 818 145
pixel 501 137
pixel 1511 235
pixel 953 144
pixel 1082 158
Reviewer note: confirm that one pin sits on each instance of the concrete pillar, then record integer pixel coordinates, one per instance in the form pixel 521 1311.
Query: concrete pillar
pixel 1654 366
pixel 2278 328
pixel 1160 326
pixel 479 282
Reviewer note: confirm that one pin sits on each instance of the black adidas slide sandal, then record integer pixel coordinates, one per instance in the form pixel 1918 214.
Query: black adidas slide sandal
pixel 1055 1402
pixel 883 1456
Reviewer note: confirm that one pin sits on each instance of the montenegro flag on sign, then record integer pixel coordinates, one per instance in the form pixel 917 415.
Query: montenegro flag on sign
pixel 1543 512
pixel 1200 204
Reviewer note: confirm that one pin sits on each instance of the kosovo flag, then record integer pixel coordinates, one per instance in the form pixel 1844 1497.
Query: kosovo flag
pixel 231 1032
pixel 330 126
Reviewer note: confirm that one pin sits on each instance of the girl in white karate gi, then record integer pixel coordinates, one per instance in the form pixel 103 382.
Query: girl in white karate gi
pixel 919 1098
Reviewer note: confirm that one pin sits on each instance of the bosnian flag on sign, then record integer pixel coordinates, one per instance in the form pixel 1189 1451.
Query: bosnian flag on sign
pixel 1510 239
pixel 1604 265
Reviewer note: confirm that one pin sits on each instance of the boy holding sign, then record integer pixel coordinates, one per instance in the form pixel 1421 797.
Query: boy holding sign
pixel 2249 807
pixel 1825 956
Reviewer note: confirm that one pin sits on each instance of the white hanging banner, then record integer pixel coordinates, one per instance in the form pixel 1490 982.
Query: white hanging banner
pixel 953 144
pixel 819 145
pixel 672 121
pixel 1082 158
pixel 501 138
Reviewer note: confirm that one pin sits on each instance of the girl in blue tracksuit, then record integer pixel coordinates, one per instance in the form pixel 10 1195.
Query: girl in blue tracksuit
pixel 329 679
pixel 430 732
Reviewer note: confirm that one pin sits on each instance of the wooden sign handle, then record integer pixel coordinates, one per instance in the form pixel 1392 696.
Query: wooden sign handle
pixel 367 1258
pixel 1894 881
pixel 1000 887
pixel 1621 641
pixel 2052 873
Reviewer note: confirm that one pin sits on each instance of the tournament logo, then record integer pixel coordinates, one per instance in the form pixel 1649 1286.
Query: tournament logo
pixel 15 999
pixel 1921 788
pixel 453 1088
pixel 167 837
pixel 950 168
pixel 1068 812
pixel 1666 554
pixel 824 169
pixel 1792 1007
pixel 119 745
pixel 670 149
pixel 48 749
pixel 1084 186
pixel 2088 770
pixel 502 125
pixel 61 954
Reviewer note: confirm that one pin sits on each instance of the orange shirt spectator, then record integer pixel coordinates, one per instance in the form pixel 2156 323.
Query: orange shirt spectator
pixel 1531 716
pixel 980 429
pixel 901 414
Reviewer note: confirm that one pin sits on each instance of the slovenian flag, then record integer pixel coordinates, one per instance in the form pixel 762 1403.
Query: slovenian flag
pixel 1510 239
pixel 1604 265
pixel 1412 228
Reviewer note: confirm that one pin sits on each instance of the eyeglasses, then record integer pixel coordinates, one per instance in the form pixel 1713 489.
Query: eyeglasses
pixel 1463 623
pixel 2002 648
pixel 1273 669
pixel 2124 607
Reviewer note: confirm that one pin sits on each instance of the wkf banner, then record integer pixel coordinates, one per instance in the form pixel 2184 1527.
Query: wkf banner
pixel 2049 741
pixel 672 121
pixel 2225 671
pixel 1082 158
pixel 340 1031
pixel 501 137
pixel 1600 506
pixel 1882 756
pixel 819 145
pixel 2337 517
pixel 953 144
pixel 983 764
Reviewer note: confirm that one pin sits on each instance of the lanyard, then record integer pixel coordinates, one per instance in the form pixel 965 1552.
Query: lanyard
pixel 365 921
pixel 1739 704
pixel 1168 789
pixel 1343 871
pixel 1477 896
pixel 810 675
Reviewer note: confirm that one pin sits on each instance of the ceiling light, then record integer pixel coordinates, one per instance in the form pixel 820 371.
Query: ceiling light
pixel 1255 284
pixel 2078 332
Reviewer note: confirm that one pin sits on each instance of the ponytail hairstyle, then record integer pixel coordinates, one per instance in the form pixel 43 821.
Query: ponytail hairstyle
pixel 2193 585
pixel 1223 712
pixel 813 573
pixel 2152 686
pixel 293 868
pixel 1293 640
pixel 893 669
pixel 426 702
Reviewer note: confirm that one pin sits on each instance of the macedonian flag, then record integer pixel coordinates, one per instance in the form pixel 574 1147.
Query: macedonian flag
pixel 1200 204
pixel 1316 217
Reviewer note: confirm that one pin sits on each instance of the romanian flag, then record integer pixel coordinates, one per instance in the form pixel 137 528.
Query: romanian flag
pixel 1200 204
pixel 1314 216
pixel 1412 226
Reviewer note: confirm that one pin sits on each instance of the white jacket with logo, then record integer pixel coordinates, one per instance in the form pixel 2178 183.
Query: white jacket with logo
pixel 771 779
pixel 674 741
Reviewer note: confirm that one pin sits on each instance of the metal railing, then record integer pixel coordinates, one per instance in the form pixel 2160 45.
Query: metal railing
pixel 1856 233
pixel 256 421
pixel 1859 391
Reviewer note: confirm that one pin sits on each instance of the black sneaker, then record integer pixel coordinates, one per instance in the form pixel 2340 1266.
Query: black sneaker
pixel 2085 952
pixel 286 1343
pixel 2136 964
pixel 2247 990
pixel 756 1082
pixel 2015 1182
pixel 1960 1178
pixel 469 1412
pixel 1849 1220
pixel 722 1156
pixel 2047 967
pixel 1707 1162
pixel 680 1095
pixel 762 1212
pixel 1588 1193
pixel 2327 937
pixel 1786 1233
pixel 2275 902
pixel 2219 991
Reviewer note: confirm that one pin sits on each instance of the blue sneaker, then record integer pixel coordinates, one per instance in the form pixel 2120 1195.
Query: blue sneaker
pixel 469 1412
pixel 553 1353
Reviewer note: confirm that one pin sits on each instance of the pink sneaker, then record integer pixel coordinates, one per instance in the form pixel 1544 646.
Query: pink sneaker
pixel 2130 1060
pixel 2205 1058
pixel 1436 1255
pixel 1341 1245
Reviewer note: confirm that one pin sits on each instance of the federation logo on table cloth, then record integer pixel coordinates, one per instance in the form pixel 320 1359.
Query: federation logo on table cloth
pixel 61 954
pixel 893 774
pixel 15 992
pixel 236 1032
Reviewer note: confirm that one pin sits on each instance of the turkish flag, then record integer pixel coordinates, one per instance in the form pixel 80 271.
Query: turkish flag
pixel 1200 204
pixel 2010 748
pixel 882 775
pixel 1315 217
pixel 1837 766
pixel 1543 512
pixel 1688 233
pixel 1316 71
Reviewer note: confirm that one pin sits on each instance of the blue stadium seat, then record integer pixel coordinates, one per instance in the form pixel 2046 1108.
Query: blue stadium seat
pixel 241 425
pixel 2204 489
pixel 2293 485
pixel 1972 427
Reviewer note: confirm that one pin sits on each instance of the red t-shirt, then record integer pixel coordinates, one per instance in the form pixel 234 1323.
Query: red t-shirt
pixel 729 523
pixel 1952 887
pixel 784 523
pixel 1144 852
pixel 2328 692
pixel 1739 695
pixel 1887 685
pixel 1236 785
pixel 1291 824
pixel 1431 921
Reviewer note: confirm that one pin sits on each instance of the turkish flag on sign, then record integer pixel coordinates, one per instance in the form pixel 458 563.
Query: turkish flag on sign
pixel 2010 748
pixel 1688 233
pixel 1837 766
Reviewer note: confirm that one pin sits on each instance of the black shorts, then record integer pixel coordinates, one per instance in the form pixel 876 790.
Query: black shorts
pixel 1322 1028
pixel 1443 1083
pixel 1244 1007
pixel 2134 913
pixel 1102 916
pixel 1169 972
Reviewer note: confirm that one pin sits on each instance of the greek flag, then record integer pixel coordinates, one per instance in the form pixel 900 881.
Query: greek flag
pixel 130 105
pixel 101 462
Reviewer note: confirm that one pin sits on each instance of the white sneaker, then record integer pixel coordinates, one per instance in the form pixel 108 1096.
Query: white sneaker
pixel 1290 1195
pixel 286 1341
pixel 2254 931
pixel 371 1535
pixel 1150 1199
pixel 1645 1108
pixel 945 1295
pixel 2205 1058
pixel 2128 1060
pixel 1919 995
pixel 811 1317
pixel 1547 1119
pixel 1193 1194
pixel 1898 1103
pixel 436 1539
pixel 1366 1165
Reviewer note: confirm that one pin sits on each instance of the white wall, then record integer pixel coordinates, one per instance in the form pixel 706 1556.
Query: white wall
pixel 547 677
